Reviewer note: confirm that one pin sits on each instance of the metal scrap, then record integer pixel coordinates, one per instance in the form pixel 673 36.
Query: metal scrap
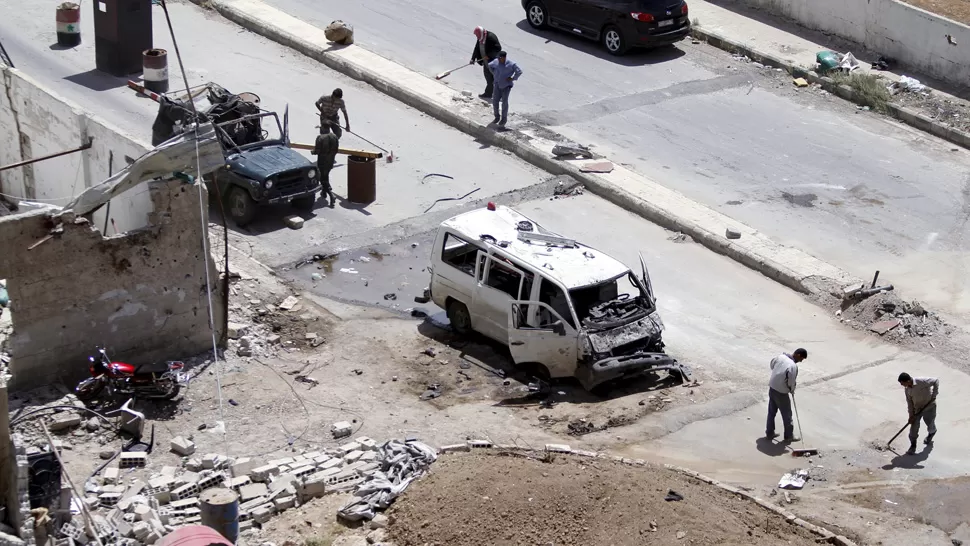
pixel 401 464
pixel 571 150
pixel 425 177
pixel 450 199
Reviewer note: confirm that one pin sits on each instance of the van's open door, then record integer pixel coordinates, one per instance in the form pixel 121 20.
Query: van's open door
pixel 551 342
pixel 646 281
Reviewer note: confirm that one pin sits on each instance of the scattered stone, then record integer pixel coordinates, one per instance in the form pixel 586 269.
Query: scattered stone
pixel 92 424
pixel 732 233
pixel 65 421
pixel 237 330
pixel 293 222
pixel 342 429
pixel 653 526
pixel 182 446
pixel 391 296
pixel 681 534
pixel 289 303
pixel 884 326
pixel 316 276
pixel 800 82
pixel 106 454
pixel 379 522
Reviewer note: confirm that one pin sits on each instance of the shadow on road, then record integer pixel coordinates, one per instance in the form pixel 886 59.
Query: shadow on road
pixel 770 447
pixel 96 80
pixel 909 461
pixel 634 57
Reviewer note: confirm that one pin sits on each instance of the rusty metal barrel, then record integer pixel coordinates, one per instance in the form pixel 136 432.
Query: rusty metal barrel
pixel 155 70
pixel 68 24
pixel 361 179
pixel 219 509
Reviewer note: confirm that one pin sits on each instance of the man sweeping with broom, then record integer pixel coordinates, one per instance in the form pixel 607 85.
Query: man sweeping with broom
pixel 784 376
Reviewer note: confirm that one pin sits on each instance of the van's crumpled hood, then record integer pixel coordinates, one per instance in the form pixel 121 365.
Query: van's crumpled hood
pixel 261 163
pixel 606 340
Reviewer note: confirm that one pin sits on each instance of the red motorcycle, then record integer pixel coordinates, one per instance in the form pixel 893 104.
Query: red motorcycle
pixel 162 381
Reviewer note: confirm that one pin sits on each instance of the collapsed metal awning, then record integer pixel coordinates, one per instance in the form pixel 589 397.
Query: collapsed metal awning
pixel 177 155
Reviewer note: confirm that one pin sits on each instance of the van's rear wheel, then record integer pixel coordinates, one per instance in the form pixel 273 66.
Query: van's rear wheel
pixel 458 316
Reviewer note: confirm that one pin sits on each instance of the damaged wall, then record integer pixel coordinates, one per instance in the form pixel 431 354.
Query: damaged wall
pixel 35 122
pixel 914 37
pixel 141 294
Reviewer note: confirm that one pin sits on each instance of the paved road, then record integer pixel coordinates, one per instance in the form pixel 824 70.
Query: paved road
pixel 853 188
pixel 215 50
pixel 726 322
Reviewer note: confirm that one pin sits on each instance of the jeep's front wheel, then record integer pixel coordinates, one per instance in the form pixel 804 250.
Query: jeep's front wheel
pixel 305 203
pixel 242 208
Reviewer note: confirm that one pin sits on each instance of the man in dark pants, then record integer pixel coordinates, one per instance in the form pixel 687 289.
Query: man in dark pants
pixel 487 48
pixel 921 393
pixel 329 106
pixel 325 148
pixel 784 375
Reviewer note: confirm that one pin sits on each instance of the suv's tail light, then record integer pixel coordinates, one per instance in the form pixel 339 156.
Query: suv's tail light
pixel 683 9
pixel 642 17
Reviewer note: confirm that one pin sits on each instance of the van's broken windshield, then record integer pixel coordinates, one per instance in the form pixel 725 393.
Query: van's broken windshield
pixel 612 303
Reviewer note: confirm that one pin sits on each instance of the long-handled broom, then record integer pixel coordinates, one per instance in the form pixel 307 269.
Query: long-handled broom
pixel 801 434
pixel 447 73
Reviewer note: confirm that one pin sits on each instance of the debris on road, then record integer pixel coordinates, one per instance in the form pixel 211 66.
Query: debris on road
pixel 907 84
pixel 293 222
pixel 680 238
pixel 567 150
pixel 563 190
pixel 429 175
pixel 732 233
pixel 794 480
pixel 598 167
pixel 450 199
pixel 884 326
pixel 673 496
pixel 339 32
pixel 402 462
pixel 800 82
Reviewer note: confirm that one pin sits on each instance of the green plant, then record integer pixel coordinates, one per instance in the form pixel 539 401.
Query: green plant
pixel 869 90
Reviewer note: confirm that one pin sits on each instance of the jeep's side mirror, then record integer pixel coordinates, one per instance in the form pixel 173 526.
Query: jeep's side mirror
pixel 559 328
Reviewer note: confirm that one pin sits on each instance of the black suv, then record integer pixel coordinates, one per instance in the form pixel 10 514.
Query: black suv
pixel 617 24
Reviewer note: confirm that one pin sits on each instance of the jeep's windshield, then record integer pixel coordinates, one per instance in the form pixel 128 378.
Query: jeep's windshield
pixel 612 303
pixel 252 131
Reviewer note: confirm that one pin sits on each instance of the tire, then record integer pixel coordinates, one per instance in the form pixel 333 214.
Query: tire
pixel 536 14
pixel 89 389
pixel 242 208
pixel 174 392
pixel 459 317
pixel 305 203
pixel 613 40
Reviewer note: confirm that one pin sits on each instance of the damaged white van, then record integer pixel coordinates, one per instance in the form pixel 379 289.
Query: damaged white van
pixel 562 308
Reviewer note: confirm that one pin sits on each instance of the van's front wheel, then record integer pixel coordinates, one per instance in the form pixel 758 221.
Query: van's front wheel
pixel 458 316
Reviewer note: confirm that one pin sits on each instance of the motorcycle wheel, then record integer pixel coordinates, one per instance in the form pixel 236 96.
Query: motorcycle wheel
pixel 89 389
pixel 175 389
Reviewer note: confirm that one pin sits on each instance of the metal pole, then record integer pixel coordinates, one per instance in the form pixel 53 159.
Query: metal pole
pixel 80 499
pixel 51 156
pixel 107 213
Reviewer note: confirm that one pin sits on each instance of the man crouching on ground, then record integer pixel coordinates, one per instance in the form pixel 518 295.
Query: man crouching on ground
pixel 784 375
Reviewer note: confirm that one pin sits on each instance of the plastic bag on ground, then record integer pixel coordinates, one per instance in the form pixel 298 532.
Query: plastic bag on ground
pixel 401 463
pixel 827 60
pixel 910 84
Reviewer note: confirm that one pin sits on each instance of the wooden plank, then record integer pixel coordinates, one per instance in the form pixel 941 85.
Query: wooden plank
pixel 345 151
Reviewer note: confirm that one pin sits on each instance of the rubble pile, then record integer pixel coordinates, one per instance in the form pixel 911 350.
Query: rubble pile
pixel 891 317
pixel 272 327
pixel 140 508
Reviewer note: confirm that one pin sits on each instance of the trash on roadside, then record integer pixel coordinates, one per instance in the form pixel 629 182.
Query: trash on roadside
pixel 434 391
pixel 598 167
pixel 849 62
pixel 401 463
pixel 884 63
pixel 339 32
pixel 793 480
pixel 827 60
pixel 800 82
pixel 911 85
pixel 571 150
pixel 673 496
pixel 390 296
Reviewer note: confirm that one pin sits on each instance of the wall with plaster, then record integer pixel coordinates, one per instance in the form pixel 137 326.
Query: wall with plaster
pixel 914 37
pixel 35 122
pixel 141 294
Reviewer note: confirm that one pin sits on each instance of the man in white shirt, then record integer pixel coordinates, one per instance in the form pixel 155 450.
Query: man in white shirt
pixel 784 376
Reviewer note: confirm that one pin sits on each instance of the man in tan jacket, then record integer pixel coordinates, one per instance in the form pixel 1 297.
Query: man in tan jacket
pixel 921 395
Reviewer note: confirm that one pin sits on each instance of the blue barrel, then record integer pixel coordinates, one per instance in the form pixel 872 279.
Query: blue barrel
pixel 220 511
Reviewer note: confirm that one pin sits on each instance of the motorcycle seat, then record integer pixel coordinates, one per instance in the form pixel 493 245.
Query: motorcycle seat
pixel 153 367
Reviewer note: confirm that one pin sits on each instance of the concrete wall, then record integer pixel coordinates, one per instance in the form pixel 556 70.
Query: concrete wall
pixel 914 37
pixel 142 294
pixel 35 122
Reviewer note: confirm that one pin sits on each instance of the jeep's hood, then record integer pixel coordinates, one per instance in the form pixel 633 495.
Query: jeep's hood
pixel 261 163
pixel 606 340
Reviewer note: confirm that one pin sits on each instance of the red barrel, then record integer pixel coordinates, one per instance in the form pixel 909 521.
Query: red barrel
pixel 68 24
pixel 155 70
pixel 193 535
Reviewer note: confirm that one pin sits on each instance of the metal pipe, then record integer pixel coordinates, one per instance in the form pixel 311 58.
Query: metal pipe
pixel 51 156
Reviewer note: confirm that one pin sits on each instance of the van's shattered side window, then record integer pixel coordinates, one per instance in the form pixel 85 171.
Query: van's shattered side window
pixel 504 278
pixel 459 253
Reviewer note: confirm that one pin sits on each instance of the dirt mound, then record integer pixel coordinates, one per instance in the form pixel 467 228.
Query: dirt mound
pixel 488 499
pixel 896 320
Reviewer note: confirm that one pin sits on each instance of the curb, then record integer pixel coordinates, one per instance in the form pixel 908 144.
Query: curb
pixel 906 115
pixel 786 265
pixel 487 447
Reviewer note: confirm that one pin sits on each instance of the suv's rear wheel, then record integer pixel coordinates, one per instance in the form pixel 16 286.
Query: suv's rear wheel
pixel 305 203
pixel 535 12
pixel 613 40
pixel 459 317
pixel 242 208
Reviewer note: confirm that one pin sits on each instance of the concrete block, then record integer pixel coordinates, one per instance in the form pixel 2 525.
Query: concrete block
pixel 332 463
pixel 323 474
pixel 353 456
pixel 186 491
pixel 237 330
pixel 133 459
pixel 236 483
pixel 262 514
pixel 111 475
pixel 162 482
pixel 282 482
pixel 252 491
pixel 182 446
pixel 303 471
pixel 454 448
pixel 367 444
pixel 210 481
pixel 162 495
pixel 194 465
pixel 283 461
pixel 242 467
pixel 182 504
pixel 209 461
pixel 141 530
pixel 342 429
pixel 293 222
pixel 109 499
pixel 368 457
pixel 284 503
pixel 64 421
pixel 558 448
pixel 169 471
pixel 312 489
pixel 312 455
pixel 479 444
pixel 264 473
pixel 347 448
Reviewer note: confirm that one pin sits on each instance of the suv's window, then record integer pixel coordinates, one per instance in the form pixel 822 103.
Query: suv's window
pixel 503 277
pixel 459 254
pixel 554 297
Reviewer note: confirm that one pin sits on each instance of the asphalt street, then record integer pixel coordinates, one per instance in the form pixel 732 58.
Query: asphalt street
pixel 726 322
pixel 853 188
pixel 218 51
